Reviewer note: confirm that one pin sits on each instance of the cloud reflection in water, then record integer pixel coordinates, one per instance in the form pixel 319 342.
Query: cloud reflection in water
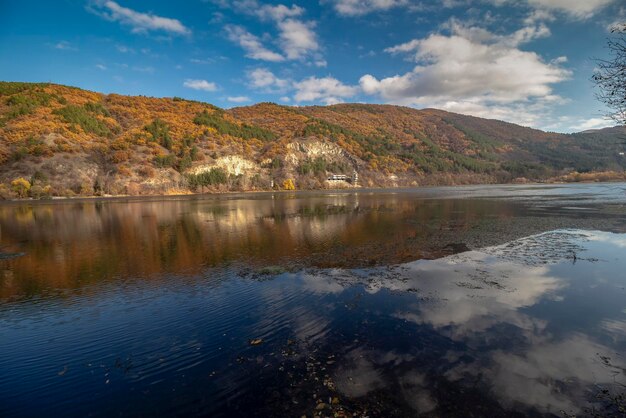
pixel 487 302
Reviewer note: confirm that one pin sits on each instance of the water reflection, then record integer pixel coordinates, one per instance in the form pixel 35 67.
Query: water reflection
pixel 149 308
pixel 71 245
pixel 487 301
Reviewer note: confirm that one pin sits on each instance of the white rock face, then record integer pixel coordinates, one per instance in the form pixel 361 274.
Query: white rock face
pixel 232 164
pixel 311 149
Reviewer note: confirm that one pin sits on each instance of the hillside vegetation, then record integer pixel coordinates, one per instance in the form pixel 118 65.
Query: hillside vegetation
pixel 63 141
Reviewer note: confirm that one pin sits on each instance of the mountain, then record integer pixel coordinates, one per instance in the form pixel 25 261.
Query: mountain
pixel 59 140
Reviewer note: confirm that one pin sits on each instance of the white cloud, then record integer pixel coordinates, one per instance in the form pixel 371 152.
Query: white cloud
pixel 362 7
pixel 101 67
pixel 251 44
pixel 559 60
pixel 474 71
pixel 328 90
pixel 275 13
pixel 216 17
pixel 457 67
pixel 200 85
pixel 263 11
pixel 541 10
pixel 539 15
pixel 262 78
pixel 296 38
pixel 480 35
pixel 320 62
pixel 139 22
pixel 581 9
pixel 202 60
pixel 533 114
pixel 593 123
pixel 124 49
pixel 64 46
pixel 238 99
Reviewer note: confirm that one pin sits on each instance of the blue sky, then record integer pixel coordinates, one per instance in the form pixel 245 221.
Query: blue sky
pixel 524 61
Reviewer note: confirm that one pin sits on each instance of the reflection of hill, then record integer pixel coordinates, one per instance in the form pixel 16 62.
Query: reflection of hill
pixel 70 244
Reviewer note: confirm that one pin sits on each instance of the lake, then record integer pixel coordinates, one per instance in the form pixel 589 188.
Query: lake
pixel 461 301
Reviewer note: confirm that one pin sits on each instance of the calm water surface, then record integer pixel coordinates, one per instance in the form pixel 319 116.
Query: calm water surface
pixel 473 301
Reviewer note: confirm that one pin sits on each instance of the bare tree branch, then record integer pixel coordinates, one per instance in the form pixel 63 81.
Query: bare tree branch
pixel 610 75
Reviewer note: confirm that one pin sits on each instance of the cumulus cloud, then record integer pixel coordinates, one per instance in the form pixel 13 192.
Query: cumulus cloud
pixel 362 7
pixel 472 71
pixel 200 85
pixel 270 12
pixel 539 15
pixel 264 79
pixel 251 44
pixel 296 39
pixel 139 22
pixel 327 90
pixel 238 99
pixel 459 67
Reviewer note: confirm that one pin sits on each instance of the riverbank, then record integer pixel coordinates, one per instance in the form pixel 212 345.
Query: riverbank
pixel 238 194
pixel 494 191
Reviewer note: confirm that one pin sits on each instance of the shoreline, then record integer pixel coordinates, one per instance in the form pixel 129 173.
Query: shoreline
pixel 227 195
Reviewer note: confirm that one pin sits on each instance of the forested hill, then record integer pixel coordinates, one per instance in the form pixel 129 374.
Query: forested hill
pixel 59 140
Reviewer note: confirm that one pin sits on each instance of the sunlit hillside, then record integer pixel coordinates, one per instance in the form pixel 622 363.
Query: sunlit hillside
pixel 63 141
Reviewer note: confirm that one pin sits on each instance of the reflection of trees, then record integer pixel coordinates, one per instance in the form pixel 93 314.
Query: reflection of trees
pixel 71 244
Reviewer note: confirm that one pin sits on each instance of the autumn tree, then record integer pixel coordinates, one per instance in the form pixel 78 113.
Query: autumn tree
pixel 289 185
pixel 610 75
pixel 20 186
